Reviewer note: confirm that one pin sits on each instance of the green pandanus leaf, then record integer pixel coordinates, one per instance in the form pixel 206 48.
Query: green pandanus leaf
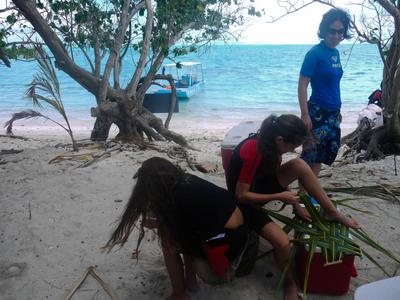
pixel 350 251
pixel 375 262
pixel 314 213
pixel 287 228
pixel 330 252
pixel 382 191
pixel 291 222
pixel 285 270
pixel 354 208
pixel 301 241
pixel 332 237
pixel 311 251
pixel 362 236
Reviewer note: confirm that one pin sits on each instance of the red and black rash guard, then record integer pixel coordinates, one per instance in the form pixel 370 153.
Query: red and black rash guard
pixel 246 165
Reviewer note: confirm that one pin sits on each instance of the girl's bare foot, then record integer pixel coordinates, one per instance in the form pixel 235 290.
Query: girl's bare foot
pixel 341 218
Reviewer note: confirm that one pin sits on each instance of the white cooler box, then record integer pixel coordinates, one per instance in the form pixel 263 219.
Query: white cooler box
pixel 234 136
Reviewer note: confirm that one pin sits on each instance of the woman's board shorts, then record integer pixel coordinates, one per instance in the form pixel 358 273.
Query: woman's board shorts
pixel 326 136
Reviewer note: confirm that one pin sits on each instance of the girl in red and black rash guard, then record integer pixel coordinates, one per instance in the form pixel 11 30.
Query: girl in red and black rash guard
pixel 256 175
pixel 192 216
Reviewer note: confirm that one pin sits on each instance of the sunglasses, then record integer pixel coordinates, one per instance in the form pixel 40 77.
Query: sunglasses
pixel 334 31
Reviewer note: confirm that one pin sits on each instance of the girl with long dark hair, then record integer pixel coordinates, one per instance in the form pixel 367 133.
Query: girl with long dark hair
pixel 257 175
pixel 193 217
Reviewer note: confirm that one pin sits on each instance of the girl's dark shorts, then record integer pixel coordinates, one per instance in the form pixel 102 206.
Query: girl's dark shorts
pixel 253 217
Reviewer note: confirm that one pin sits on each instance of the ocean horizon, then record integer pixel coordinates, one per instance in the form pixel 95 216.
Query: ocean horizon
pixel 243 81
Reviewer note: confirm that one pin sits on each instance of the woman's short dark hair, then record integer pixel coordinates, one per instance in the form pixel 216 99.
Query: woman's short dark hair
pixel 334 14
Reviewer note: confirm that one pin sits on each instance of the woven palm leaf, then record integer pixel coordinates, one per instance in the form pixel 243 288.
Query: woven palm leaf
pixel 333 239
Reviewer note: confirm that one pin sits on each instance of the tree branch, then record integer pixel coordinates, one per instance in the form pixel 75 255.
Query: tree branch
pixel 132 86
pixel 7 9
pixel 114 50
pixel 390 8
pixel 63 61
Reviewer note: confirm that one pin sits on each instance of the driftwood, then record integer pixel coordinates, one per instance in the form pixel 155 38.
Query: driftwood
pixel 206 167
pixel 14 137
pixel 358 140
pixel 96 275
pixel 10 151
pixel 97 151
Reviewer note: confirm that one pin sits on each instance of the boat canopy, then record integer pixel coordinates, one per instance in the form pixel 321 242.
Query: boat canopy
pixel 184 64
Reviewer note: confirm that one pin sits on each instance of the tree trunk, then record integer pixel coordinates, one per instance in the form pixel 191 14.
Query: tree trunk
pixel 101 127
pixel 133 122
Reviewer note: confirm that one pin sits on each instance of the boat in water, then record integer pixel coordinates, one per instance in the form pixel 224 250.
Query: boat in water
pixel 188 78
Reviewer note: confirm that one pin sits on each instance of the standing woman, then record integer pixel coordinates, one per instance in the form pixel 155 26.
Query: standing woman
pixel 322 67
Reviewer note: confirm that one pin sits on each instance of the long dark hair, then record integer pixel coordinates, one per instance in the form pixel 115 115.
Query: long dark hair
pixel 335 14
pixel 290 127
pixel 157 180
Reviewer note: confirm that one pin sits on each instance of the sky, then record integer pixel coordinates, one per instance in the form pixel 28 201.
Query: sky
pixel 298 28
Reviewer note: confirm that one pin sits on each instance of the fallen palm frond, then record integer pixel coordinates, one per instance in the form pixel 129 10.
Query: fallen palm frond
pixel 381 191
pixel 333 239
pixel 27 114
pixel 87 158
pixel 44 88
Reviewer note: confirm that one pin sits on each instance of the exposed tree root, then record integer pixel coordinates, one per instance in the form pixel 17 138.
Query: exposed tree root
pixel 181 153
pixel 134 128
pixel 366 143
pixel 92 152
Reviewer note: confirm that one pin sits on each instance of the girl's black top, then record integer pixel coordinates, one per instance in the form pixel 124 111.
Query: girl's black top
pixel 203 207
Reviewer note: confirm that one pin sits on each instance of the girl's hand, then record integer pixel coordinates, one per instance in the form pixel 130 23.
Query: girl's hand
pixel 288 197
pixel 301 212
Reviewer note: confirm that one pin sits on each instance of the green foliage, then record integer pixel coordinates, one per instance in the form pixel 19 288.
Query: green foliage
pixel 333 239
pixel 93 23
pixel 20 51
pixel 90 23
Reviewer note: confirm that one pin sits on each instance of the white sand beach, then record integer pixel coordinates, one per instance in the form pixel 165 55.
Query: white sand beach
pixel 55 217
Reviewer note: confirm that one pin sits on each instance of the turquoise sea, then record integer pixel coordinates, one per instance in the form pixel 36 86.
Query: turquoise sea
pixel 241 81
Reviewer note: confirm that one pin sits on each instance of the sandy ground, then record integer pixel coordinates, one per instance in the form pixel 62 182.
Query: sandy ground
pixel 55 217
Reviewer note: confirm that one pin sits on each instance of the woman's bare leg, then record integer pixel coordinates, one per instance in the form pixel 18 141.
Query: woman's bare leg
pixel 281 244
pixel 316 168
pixel 297 169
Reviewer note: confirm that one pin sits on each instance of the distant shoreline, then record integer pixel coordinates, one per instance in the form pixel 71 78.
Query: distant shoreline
pixel 185 125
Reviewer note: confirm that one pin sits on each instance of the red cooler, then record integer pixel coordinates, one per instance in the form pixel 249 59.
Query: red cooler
pixel 332 279
pixel 234 136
